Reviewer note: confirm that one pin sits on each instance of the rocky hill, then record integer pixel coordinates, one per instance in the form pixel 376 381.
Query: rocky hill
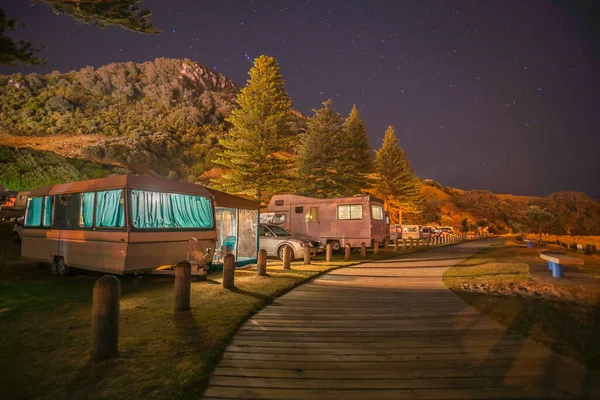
pixel 575 213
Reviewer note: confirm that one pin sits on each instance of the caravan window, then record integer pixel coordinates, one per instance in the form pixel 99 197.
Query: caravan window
pixel 40 211
pixel 350 211
pixel 155 210
pixel 278 219
pixel 33 215
pixel 299 210
pixel 86 210
pixel 314 215
pixel 377 212
pixel 278 203
pixel 48 211
pixel 109 209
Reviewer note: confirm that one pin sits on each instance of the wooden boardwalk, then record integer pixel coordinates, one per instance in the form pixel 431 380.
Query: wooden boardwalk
pixel 389 330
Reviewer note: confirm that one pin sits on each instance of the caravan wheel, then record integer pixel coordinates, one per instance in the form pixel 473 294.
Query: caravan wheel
pixel 335 246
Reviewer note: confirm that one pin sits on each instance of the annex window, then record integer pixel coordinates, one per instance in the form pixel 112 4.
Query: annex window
pixel 86 211
pixel 155 210
pixel 350 211
pixel 278 203
pixel 48 215
pixel 377 212
pixel 109 209
pixel 299 210
pixel 33 215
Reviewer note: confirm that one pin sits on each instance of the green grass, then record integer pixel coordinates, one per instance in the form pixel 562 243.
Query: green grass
pixel 563 317
pixel 45 328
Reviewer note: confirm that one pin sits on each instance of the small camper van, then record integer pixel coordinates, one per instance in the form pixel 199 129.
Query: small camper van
pixel 398 232
pixel 123 224
pixel 338 221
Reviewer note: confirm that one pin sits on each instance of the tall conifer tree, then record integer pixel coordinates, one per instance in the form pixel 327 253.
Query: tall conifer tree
pixel 254 150
pixel 357 162
pixel 320 155
pixel 394 179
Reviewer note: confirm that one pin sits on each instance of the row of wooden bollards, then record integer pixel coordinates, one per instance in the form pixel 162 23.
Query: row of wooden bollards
pixel 107 289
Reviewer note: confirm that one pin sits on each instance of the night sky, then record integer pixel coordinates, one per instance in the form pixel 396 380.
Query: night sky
pixel 500 95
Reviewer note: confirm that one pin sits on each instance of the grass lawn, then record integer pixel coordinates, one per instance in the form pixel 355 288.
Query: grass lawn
pixel 563 317
pixel 45 327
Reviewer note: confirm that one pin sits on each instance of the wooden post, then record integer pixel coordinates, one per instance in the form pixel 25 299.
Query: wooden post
pixel 105 318
pixel 386 246
pixel 395 244
pixel 287 257
pixel 412 243
pixel 306 254
pixel 347 251
pixel 403 244
pixel 229 271
pixel 363 250
pixel 328 252
pixel 261 263
pixel 183 285
pixel 375 248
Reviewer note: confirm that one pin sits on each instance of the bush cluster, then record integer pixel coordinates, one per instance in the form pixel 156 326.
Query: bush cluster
pixel 519 238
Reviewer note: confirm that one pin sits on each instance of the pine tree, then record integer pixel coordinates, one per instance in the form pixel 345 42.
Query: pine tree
pixel 357 161
pixel 394 179
pixel 254 151
pixel 320 155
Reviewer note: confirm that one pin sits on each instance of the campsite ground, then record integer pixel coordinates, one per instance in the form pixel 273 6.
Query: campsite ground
pixel 45 329
pixel 562 316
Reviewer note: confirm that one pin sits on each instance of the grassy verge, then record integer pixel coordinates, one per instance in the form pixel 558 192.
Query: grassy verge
pixel 45 330
pixel 563 317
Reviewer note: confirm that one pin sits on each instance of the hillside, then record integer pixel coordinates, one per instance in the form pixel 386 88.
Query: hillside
pixel 575 213
pixel 163 116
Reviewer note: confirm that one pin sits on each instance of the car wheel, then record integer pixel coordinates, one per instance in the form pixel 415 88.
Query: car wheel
pixel 282 249
pixel 60 268
pixel 16 237
pixel 335 246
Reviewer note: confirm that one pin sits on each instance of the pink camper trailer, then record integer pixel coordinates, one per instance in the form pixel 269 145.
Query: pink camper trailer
pixel 337 221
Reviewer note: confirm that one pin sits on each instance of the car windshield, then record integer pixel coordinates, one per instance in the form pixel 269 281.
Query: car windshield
pixel 279 231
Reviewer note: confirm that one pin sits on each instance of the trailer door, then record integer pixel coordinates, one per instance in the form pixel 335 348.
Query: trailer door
pixel 313 222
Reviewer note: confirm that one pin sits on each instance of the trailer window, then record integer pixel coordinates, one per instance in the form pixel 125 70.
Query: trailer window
pixel 86 211
pixel 33 215
pixel 278 219
pixel 109 209
pixel 278 203
pixel 314 214
pixel 377 212
pixel 299 210
pixel 350 211
pixel 48 211
pixel 170 210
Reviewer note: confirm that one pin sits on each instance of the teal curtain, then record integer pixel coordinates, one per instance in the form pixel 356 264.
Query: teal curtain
pixel 169 210
pixel 48 210
pixel 86 216
pixel 109 209
pixel 34 212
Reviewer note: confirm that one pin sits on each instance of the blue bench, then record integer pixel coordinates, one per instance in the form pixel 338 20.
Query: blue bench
pixel 557 260
pixel 528 243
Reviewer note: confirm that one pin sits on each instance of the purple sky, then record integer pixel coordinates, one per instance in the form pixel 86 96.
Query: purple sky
pixel 496 95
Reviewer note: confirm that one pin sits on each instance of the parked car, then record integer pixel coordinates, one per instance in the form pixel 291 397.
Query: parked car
pixel 446 230
pixel 274 239
pixel 17 229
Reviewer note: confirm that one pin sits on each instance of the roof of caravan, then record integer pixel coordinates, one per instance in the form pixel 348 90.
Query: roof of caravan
pixel 123 181
pixel 228 200
pixel 306 198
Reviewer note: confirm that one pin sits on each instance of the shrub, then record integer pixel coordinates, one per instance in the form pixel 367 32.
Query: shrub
pixel 588 249
pixel 558 242
pixel 563 244
pixel 594 251
pixel 573 246
pixel 519 238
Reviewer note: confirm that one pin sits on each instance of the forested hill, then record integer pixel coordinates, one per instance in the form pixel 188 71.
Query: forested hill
pixel 162 116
